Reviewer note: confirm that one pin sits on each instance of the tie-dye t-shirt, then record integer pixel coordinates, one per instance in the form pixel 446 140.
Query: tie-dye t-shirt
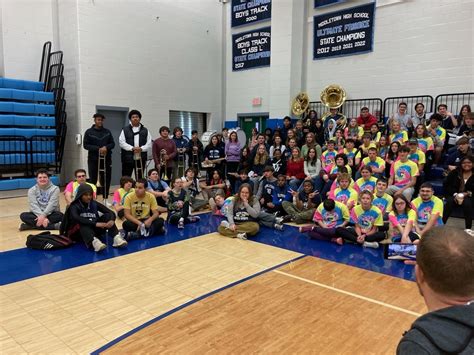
pixel 424 210
pixel 403 172
pixel 417 157
pixel 361 184
pixel 378 163
pixel 333 218
pixel 425 144
pixel 402 218
pixel 384 202
pixel 366 219
pixel 344 196
pixel 400 137
pixel 328 157
pixel 334 169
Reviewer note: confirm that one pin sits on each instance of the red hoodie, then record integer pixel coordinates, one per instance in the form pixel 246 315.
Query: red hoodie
pixel 367 122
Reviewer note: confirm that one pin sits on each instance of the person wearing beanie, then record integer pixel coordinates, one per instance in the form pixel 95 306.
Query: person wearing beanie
pixel 83 221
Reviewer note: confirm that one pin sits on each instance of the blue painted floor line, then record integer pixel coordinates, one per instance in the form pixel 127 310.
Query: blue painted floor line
pixel 21 264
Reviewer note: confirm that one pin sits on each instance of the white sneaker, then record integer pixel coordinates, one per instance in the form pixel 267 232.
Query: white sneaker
pixel 242 236
pixel 278 227
pixel 107 204
pixel 98 245
pixel 279 220
pixel 470 232
pixel 374 245
pixel 119 242
pixel 181 223
pixel 225 224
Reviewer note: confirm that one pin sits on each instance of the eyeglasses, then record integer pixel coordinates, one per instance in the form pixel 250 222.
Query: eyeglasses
pixel 80 176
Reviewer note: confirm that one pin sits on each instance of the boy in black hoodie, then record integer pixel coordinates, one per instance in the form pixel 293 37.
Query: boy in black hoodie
pixel 444 274
pixel 82 220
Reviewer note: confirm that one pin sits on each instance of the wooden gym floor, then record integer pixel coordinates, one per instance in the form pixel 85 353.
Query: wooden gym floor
pixel 234 298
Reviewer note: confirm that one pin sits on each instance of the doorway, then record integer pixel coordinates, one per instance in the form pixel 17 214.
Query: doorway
pixel 115 120
pixel 249 121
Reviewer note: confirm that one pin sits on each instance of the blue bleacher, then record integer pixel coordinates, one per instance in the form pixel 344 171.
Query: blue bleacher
pixel 21 84
pixel 26 95
pixel 28 132
pixel 18 120
pixel 37 109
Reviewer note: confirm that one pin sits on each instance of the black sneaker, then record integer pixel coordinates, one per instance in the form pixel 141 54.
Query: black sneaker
pixel 287 218
pixel 24 227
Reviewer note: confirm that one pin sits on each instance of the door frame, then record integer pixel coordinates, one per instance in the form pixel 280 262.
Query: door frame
pixel 261 115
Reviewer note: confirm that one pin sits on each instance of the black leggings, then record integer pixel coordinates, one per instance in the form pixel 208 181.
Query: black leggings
pixel 175 216
pixel 466 206
pixel 29 218
pixel 350 235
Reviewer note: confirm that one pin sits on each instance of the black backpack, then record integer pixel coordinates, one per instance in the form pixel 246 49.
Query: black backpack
pixel 48 241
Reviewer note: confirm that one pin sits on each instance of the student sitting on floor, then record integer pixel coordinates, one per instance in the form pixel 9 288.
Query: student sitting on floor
pixel 158 188
pixel 178 205
pixel 366 181
pixel 71 188
pixel 126 187
pixel 304 203
pixel 402 221
pixel 213 185
pixel 242 217
pixel 344 194
pixel 367 219
pixel 141 213
pixel 219 204
pixel 192 185
pixel 328 216
pixel 89 220
pixel 43 199
pixel 429 209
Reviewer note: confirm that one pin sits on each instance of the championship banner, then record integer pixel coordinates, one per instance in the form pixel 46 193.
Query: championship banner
pixel 322 3
pixel 251 49
pixel 250 11
pixel 344 32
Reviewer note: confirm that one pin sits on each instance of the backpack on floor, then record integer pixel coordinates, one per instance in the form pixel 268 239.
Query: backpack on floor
pixel 47 241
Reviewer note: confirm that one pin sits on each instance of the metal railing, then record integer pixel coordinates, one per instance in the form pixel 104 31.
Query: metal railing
pixel 390 104
pixel 351 108
pixel 455 101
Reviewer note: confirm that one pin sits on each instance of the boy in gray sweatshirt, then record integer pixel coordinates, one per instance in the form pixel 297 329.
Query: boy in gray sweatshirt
pixel 43 199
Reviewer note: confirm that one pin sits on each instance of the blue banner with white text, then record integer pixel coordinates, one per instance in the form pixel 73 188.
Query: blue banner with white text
pixel 344 32
pixel 250 11
pixel 323 3
pixel 251 49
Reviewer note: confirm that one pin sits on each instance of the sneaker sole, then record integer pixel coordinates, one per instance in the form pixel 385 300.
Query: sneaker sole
pixel 120 245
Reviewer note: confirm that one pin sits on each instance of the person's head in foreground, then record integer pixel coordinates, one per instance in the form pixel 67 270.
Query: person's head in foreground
pixel 445 278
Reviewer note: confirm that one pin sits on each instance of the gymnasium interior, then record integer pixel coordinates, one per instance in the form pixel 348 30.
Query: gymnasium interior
pixel 240 66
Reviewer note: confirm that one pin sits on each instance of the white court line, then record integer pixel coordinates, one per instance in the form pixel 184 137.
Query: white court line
pixel 350 294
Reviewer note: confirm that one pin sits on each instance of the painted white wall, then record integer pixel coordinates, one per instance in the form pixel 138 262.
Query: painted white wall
pixel 151 56
pixel 25 26
pixel 420 47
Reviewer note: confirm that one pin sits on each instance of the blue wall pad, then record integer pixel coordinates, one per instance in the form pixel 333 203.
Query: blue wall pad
pixel 21 84
pixel 22 183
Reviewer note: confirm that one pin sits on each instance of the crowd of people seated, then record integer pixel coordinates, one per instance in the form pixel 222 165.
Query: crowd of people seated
pixel 349 180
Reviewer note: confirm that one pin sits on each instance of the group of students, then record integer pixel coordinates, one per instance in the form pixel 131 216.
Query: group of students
pixel 354 185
